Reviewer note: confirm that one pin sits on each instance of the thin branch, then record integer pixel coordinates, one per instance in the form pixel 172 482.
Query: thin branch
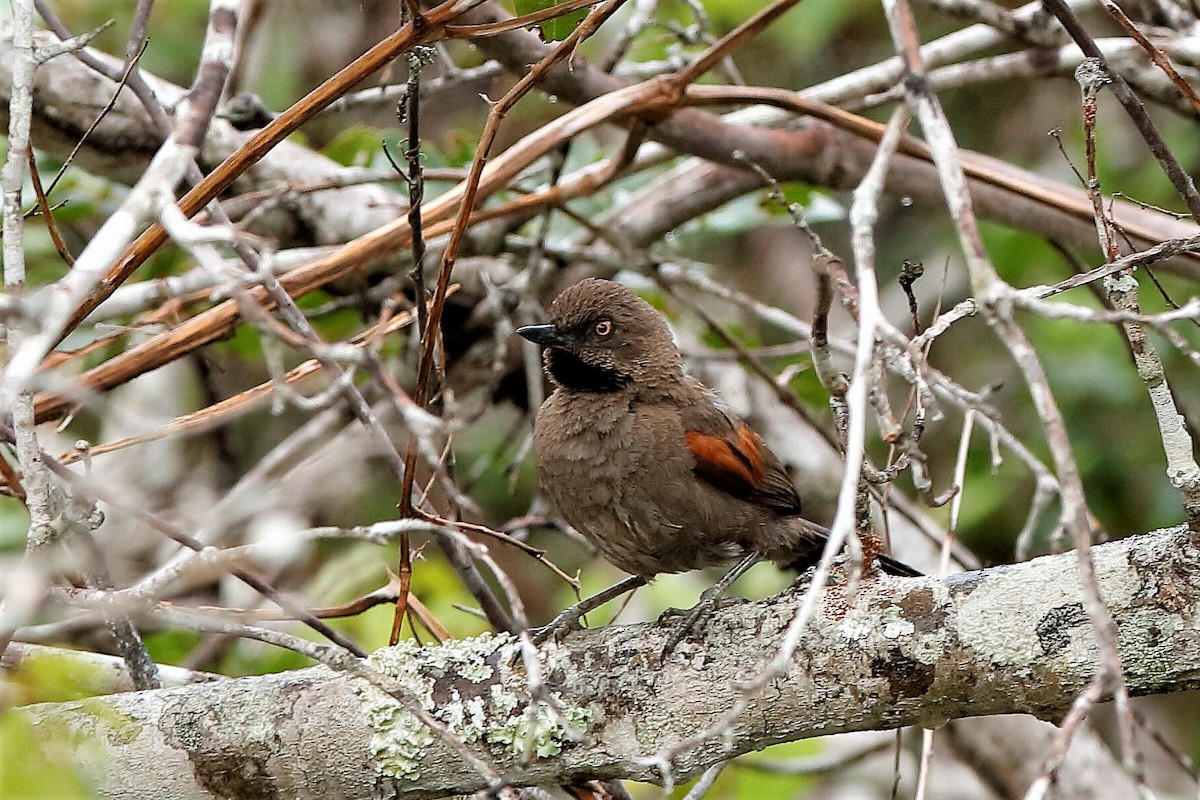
pixel 1133 106
pixel 1123 294
pixel 94 283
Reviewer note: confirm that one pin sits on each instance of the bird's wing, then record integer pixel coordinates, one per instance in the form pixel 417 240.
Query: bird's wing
pixel 734 458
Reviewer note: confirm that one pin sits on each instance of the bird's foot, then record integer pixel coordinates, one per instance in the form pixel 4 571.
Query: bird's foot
pixel 709 602
pixel 568 620
pixel 557 628
pixel 696 617
pixel 802 580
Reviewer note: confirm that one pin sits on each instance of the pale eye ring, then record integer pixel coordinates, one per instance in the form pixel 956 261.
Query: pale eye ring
pixel 604 328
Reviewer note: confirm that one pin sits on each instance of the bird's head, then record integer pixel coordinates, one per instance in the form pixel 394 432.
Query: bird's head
pixel 602 337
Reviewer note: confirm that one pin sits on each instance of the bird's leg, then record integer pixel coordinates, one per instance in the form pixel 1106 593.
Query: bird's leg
pixel 708 601
pixel 569 618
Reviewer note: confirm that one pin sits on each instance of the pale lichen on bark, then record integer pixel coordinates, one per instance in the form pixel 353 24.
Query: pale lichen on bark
pixel 473 686
pixel 897 652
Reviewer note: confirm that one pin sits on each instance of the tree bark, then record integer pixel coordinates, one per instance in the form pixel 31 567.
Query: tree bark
pixel 897 652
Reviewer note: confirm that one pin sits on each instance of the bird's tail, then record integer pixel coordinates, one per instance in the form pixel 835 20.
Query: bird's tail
pixel 814 540
pixel 898 568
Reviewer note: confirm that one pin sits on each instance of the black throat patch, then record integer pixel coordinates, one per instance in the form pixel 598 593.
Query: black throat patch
pixel 571 373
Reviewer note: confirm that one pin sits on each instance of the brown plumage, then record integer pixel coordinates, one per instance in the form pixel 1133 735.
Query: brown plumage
pixel 643 459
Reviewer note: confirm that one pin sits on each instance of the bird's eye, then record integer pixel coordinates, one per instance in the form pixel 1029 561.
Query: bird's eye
pixel 604 328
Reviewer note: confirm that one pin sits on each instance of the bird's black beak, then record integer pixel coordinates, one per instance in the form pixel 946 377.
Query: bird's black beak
pixel 545 335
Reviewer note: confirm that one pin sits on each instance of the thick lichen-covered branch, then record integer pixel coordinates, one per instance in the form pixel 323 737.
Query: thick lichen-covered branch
pixel 899 652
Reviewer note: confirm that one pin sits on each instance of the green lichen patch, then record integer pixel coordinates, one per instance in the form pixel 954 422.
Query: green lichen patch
pixel 53 676
pixel 398 738
pixel 542 729
pixel 463 685
pixel 468 658
pixel 116 726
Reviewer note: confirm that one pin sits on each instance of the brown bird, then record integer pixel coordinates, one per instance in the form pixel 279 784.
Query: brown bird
pixel 644 460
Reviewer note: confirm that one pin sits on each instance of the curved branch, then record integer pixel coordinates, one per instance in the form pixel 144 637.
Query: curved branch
pixel 900 652
pixel 831 152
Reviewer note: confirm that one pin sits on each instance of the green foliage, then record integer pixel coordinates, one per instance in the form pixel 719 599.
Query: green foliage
pixel 800 33
pixel 817 206
pixel 1021 258
pixel 336 326
pixel 991 515
pixel 167 261
pixel 176 30
pixel 14 525
pixel 244 344
pixel 356 146
pixel 741 781
pixel 38 764
pixel 53 678
pixel 171 646
pixel 742 215
pixel 748 338
pixel 487 451
pixel 456 149
pixel 558 28
pixel 805 382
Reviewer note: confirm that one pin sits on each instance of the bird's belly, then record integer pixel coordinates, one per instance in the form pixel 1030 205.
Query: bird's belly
pixel 639 509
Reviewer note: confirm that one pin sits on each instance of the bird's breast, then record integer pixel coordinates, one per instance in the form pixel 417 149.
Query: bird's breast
pixel 622 475
pixel 579 451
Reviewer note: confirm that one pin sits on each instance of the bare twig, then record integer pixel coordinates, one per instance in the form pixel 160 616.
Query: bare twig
pixel 1122 291
pixel 38 486
pixel 431 335
pixel 93 283
pixel 1133 106
pixel 181 537
pixel 1158 56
